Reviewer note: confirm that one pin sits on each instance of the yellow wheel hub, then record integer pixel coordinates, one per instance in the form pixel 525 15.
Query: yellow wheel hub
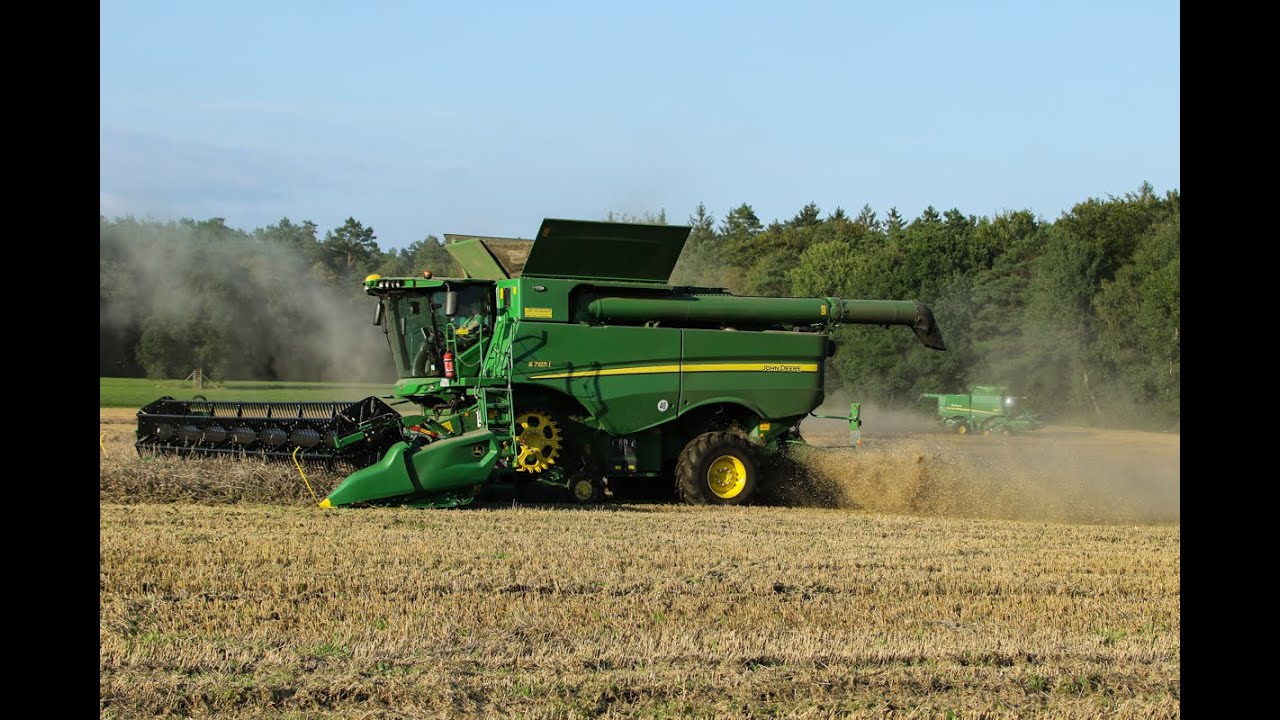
pixel 583 490
pixel 538 441
pixel 726 476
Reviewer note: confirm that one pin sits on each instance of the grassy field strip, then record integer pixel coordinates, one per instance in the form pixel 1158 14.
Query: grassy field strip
pixel 136 392
pixel 640 610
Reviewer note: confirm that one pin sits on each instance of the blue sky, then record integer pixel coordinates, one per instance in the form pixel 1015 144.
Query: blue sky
pixel 422 118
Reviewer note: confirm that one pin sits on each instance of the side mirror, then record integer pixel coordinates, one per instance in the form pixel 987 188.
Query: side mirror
pixel 450 303
pixel 377 314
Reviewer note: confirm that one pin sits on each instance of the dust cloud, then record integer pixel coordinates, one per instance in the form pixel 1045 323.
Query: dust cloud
pixel 245 307
pixel 1056 473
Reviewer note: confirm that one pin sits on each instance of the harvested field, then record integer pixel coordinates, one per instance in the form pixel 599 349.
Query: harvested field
pixel 911 609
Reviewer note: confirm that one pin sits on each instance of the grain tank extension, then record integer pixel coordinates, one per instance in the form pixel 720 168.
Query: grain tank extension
pixel 568 361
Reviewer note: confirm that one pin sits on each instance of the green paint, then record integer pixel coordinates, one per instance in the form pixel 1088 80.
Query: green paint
pixel 475 259
pixel 408 473
pixel 987 408
pixel 605 251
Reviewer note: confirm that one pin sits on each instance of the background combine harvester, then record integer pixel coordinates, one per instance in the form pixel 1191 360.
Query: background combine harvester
pixel 568 361
pixel 987 409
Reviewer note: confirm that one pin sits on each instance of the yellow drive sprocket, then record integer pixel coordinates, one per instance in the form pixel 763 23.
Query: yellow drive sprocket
pixel 538 439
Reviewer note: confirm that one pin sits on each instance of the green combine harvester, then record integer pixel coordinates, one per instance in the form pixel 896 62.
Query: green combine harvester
pixel 567 361
pixel 987 409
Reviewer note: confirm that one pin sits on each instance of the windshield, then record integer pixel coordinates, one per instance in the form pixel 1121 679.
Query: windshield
pixel 416 326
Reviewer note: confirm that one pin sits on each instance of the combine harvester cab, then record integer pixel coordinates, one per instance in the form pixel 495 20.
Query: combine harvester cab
pixel 570 361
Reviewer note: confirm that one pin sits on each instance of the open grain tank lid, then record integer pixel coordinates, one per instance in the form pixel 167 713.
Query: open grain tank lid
pixel 488 258
pixel 576 249
pixel 631 252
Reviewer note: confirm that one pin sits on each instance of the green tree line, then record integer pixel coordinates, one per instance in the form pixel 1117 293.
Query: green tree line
pixel 1079 314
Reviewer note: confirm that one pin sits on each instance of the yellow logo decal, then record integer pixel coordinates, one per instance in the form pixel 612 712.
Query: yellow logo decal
pixel 532 312
pixel 477 450
pixel 823 312
pixel 690 368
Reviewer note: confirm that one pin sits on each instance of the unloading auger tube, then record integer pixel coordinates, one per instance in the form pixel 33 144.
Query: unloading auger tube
pixel 790 311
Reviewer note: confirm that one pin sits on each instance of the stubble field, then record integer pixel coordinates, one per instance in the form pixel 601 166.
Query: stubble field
pixel 1036 576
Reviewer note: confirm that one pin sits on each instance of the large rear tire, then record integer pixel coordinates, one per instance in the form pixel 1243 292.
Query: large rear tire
pixel 717 468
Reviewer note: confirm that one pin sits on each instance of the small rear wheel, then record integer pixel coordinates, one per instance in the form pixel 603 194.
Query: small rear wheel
pixel 584 490
pixel 962 428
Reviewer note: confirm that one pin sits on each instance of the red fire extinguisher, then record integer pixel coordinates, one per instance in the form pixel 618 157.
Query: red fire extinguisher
pixel 448 365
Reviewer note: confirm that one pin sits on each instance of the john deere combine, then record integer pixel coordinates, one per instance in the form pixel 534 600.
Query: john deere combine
pixel 568 361
pixel 986 409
